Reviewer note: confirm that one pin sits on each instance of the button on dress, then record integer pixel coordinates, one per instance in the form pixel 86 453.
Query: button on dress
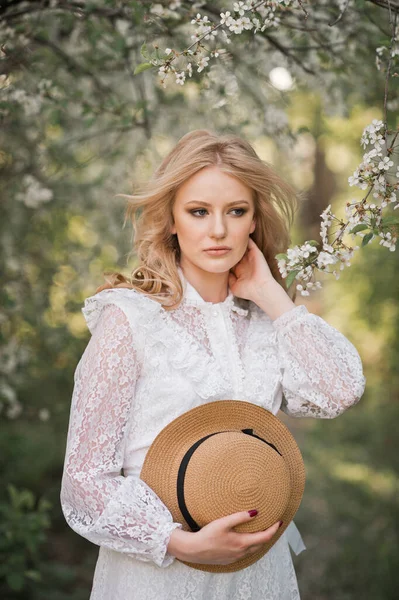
pixel 142 368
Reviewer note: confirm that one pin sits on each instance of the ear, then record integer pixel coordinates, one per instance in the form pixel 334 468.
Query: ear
pixel 253 225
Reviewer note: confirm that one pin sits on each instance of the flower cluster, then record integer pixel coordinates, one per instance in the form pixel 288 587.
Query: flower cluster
pixel 362 218
pixel 244 16
pixel 382 51
pixel 31 104
pixel 301 262
pixel 374 171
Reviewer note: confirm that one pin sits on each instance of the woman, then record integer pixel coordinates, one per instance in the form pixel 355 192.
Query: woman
pixel 193 326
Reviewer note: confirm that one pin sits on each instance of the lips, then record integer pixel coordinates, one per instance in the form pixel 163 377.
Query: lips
pixel 219 248
pixel 218 252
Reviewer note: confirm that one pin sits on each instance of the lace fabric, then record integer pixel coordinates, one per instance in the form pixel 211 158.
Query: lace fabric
pixel 143 367
pixel 121 513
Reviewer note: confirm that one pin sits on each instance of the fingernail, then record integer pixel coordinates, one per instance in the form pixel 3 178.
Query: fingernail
pixel 281 522
pixel 253 512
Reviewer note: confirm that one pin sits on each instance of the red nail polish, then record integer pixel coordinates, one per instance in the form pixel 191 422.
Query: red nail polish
pixel 253 512
pixel 281 522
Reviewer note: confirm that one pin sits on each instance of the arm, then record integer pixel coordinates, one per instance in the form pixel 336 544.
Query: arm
pixel 120 513
pixel 322 370
pixel 322 373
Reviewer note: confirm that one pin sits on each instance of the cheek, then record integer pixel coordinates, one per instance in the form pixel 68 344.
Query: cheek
pixel 190 226
pixel 189 230
pixel 242 228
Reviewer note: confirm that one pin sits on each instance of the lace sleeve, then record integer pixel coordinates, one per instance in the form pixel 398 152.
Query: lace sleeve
pixel 98 502
pixel 322 370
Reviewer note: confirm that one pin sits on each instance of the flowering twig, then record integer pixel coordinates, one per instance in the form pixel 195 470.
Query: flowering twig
pixel 374 174
pixel 235 23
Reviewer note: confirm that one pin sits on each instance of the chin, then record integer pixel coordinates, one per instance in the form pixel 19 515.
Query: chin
pixel 217 266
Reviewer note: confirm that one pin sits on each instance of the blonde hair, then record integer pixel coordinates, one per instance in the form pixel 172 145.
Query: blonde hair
pixel 150 211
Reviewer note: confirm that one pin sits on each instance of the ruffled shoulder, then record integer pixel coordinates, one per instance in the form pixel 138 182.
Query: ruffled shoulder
pixel 135 305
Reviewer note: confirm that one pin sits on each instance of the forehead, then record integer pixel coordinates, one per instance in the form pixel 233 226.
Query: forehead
pixel 211 184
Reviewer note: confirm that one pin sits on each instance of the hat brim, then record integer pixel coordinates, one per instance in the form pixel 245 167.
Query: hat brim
pixel 162 461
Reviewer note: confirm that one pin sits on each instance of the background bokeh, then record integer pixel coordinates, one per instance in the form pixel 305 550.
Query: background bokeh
pixel 77 128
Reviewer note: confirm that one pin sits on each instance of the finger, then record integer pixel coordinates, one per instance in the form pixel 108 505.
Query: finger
pixel 235 519
pixel 271 531
pixel 254 548
pixel 261 537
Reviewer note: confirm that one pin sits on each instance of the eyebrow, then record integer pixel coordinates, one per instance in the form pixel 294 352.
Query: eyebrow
pixel 207 203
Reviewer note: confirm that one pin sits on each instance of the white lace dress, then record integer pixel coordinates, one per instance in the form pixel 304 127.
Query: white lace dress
pixel 142 368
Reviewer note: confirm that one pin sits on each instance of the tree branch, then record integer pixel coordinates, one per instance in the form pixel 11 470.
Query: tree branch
pixel 388 4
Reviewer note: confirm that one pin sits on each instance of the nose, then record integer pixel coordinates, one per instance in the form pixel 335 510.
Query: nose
pixel 218 227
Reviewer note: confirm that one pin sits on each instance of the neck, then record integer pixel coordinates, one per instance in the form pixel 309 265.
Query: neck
pixel 212 287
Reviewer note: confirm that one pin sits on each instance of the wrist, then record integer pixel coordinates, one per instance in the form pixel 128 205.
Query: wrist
pixel 273 299
pixel 180 544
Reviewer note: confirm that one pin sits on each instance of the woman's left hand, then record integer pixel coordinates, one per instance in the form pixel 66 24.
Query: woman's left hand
pixel 250 273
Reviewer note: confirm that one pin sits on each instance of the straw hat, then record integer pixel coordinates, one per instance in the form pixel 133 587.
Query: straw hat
pixel 221 458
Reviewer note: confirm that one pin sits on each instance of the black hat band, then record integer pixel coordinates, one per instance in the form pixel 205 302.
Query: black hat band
pixel 183 468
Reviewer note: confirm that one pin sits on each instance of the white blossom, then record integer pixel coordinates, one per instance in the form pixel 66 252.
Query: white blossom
pixel 34 194
pixel 388 241
pixel 226 18
pixel 240 7
pixel 202 63
pixel 385 163
pixel 180 77
pixel 325 259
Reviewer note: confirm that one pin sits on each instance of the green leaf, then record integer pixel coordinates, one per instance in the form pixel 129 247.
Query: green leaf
pixel 142 67
pixel 313 242
pixel 359 227
pixel 281 256
pixel 367 238
pixel 144 51
pixel 291 276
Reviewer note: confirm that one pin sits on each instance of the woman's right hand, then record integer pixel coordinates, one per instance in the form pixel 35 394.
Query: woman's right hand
pixel 217 543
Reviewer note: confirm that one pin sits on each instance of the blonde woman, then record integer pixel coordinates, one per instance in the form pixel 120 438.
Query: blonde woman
pixel 205 316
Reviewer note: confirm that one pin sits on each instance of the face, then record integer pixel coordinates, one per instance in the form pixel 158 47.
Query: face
pixel 212 208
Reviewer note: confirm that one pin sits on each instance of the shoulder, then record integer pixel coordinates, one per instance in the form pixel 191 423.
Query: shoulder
pixel 136 306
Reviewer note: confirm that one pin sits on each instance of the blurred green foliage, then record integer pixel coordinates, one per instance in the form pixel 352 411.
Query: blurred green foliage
pixel 22 532
pixel 350 511
pixel 97 132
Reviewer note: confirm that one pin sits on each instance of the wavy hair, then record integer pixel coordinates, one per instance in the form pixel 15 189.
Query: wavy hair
pixel 150 211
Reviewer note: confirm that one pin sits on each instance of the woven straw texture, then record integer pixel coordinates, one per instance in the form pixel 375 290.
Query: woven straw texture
pixel 228 472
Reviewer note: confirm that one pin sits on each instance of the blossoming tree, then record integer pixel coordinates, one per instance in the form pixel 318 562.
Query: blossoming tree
pixel 375 173
pixel 84 83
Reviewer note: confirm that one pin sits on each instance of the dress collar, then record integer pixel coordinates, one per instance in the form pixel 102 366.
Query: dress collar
pixel 192 297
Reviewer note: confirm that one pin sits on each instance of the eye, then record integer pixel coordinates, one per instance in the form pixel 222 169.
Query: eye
pixel 243 211
pixel 196 211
